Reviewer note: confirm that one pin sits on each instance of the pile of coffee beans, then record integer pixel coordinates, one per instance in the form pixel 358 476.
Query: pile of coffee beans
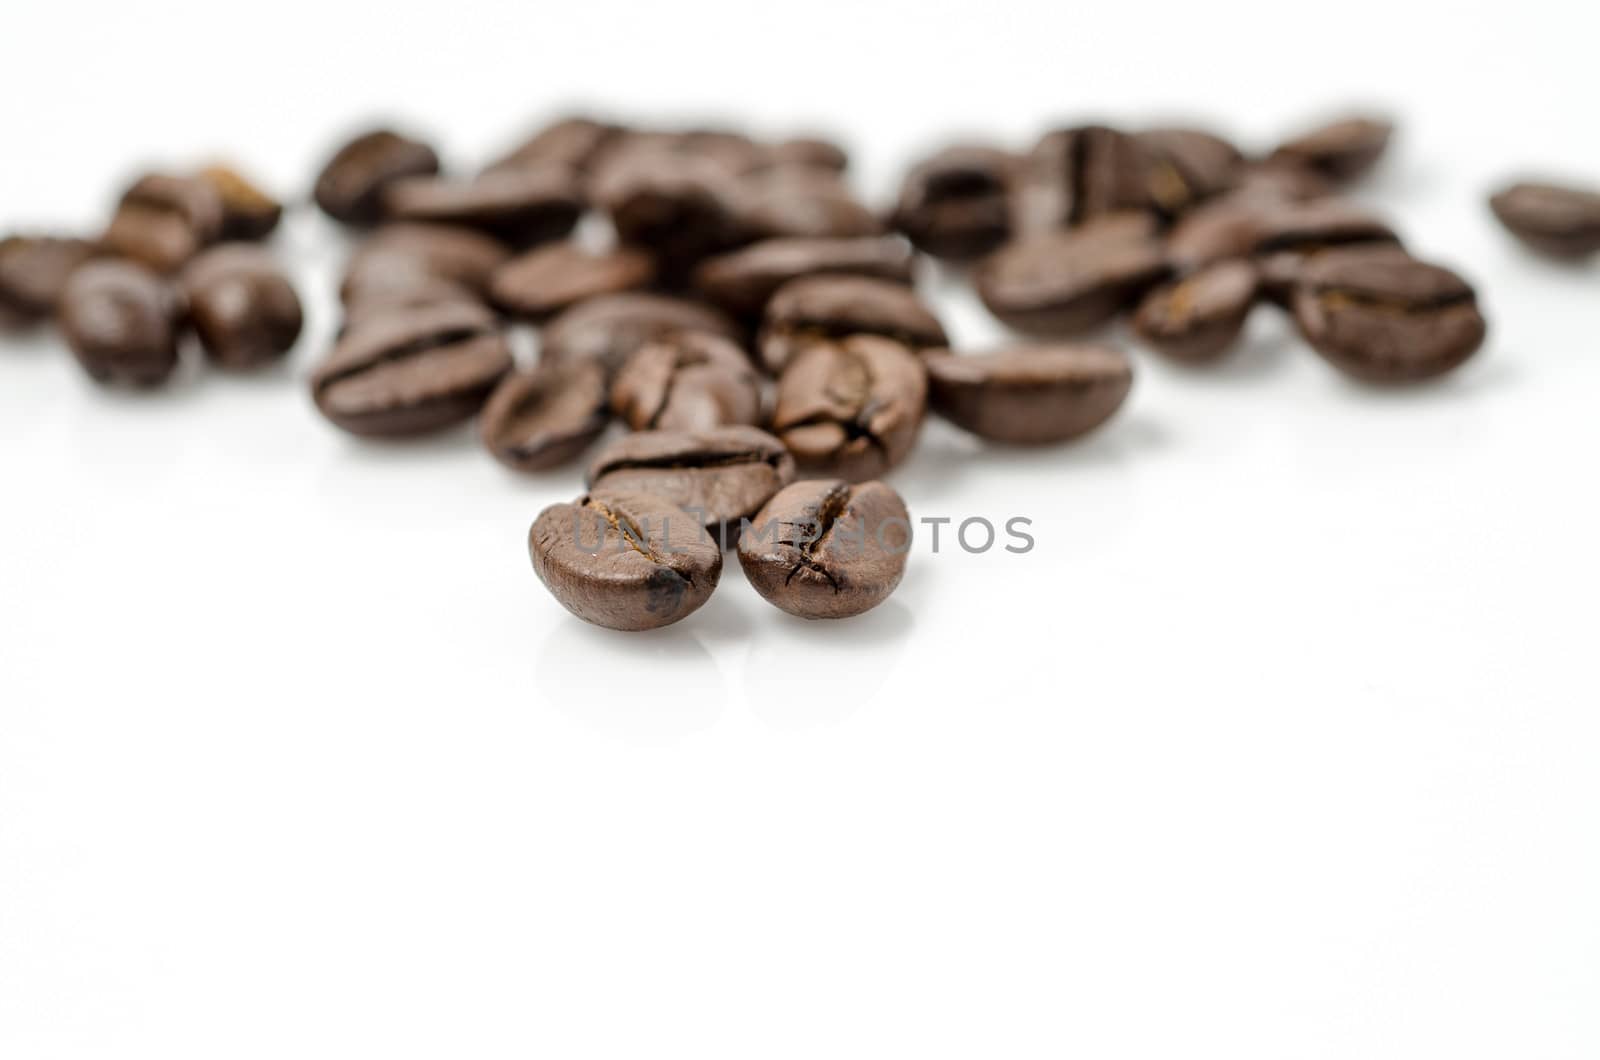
pixel 750 329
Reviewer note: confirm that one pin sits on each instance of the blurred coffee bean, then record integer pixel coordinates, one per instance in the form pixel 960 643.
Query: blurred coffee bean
pixel 546 417
pixel 412 372
pixel 1341 150
pixel 1280 180
pixel 1185 167
pixel 822 308
pixel 399 255
pixel 686 381
pixel 1289 234
pixel 241 305
pixel 1201 316
pixel 34 270
pixel 571 142
pixel 1029 395
pixel 548 279
pixel 1076 174
pixel 248 213
pixel 1554 219
pixel 956 204
pixel 522 207
pixel 682 208
pixel 742 281
pixel 1072 281
pixel 120 319
pixel 350 186
pixel 808 152
pixel 609 328
pixel 162 221
pixel 851 408
pixel 798 203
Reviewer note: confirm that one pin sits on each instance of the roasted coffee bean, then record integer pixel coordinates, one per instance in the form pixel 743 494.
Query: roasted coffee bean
pixel 609 328
pixel 412 372
pixel 1029 395
pixel 1280 180
pixel 162 221
pixel 546 280
pixel 241 305
pixel 722 475
pixel 1342 150
pixel 523 206
pixel 1386 318
pixel 400 256
pixel 120 319
pixel 851 408
pixel 572 142
pixel 680 207
pixel 1225 228
pixel 1184 167
pixel 1553 219
pixel 687 381
pixel 1289 234
pixel 628 561
pixel 824 548
pixel 1201 316
pixel 743 281
pixel 1072 281
pixel 822 308
pixel 546 417
pixel 956 204
pixel 1073 175
pixel 798 203
pixel 387 293
pixel 350 186
pixel 34 270
pixel 248 213
pixel 808 152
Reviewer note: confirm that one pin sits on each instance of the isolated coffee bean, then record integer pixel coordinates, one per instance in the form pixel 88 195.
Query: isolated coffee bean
pixel 851 408
pixel 723 474
pixel 1029 395
pixel 398 256
pixel 571 142
pixel 743 281
pixel 523 207
pixel 790 203
pixel 413 371
pixel 687 381
pixel 546 417
pixel 680 207
pixel 1076 174
pixel 627 561
pixel 248 213
pixel 1184 167
pixel 34 270
pixel 1201 316
pixel 609 328
pixel 350 186
pixel 162 221
pixel 241 305
pixel 1072 281
pixel 120 319
pixel 823 308
pixel 548 279
pixel 956 204
pixel 1387 318
pixel 824 548
pixel 1554 219
pixel 1341 150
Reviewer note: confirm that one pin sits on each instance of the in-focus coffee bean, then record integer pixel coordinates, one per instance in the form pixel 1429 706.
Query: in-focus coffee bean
pixel 822 308
pixel 350 186
pixel 523 207
pixel 241 305
pixel 548 279
pixel 1555 219
pixel 120 319
pixel 34 270
pixel 1029 395
pixel 851 408
pixel 956 204
pixel 248 213
pixel 744 280
pixel 414 371
pixel 687 381
pixel 628 561
pixel 824 548
pixel 163 220
pixel 1341 150
pixel 609 328
pixel 540 419
pixel 1201 316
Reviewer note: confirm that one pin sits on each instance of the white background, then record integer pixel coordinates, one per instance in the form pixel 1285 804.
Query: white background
pixel 1281 743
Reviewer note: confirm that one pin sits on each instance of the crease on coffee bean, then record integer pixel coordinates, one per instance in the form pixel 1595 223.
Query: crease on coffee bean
pixel 1332 298
pixel 632 535
pixel 394 354
pixel 816 531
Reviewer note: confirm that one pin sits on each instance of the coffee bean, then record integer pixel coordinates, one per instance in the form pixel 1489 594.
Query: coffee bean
pixel 1076 174
pixel 1072 281
pixel 1280 180
pixel 1553 219
pixel 241 305
pixel 680 207
pixel 414 371
pixel 162 221
pixel 628 561
pixel 1289 234
pixel 609 328
pixel 743 281
pixel 1029 395
pixel 823 308
pixel 824 548
pixel 1342 150
pixel 387 293
pixel 350 186
pixel 1386 318
pixel 523 207
pixel 1184 167
pixel 956 204
pixel 802 203
pixel 808 152
pixel 1228 227
pixel 572 142
pixel 851 408
pixel 547 417
pixel 34 270
pixel 1200 316
pixel 401 256
pixel 548 279
pixel 120 319
pixel 687 381
pixel 734 151
pixel 248 213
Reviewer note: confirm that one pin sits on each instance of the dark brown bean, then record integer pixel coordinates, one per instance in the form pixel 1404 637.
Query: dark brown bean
pixel 1029 395
pixel 350 186
pixel 609 328
pixel 1076 174
pixel 162 221
pixel 401 256
pixel 624 561
pixel 1185 167
pixel 522 207
pixel 572 142
pixel 808 152
pixel 743 281
pixel 1290 234
pixel 687 381
pixel 795 203
pixel 1341 150
pixel 549 279
pixel 827 549
pixel 120 319
pixel 1554 219
pixel 823 308
pixel 241 306
pixel 956 204
pixel 682 208
pixel 414 371
pixel 34 270
pixel 546 417
pixel 1201 316
pixel 851 408
pixel 248 213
